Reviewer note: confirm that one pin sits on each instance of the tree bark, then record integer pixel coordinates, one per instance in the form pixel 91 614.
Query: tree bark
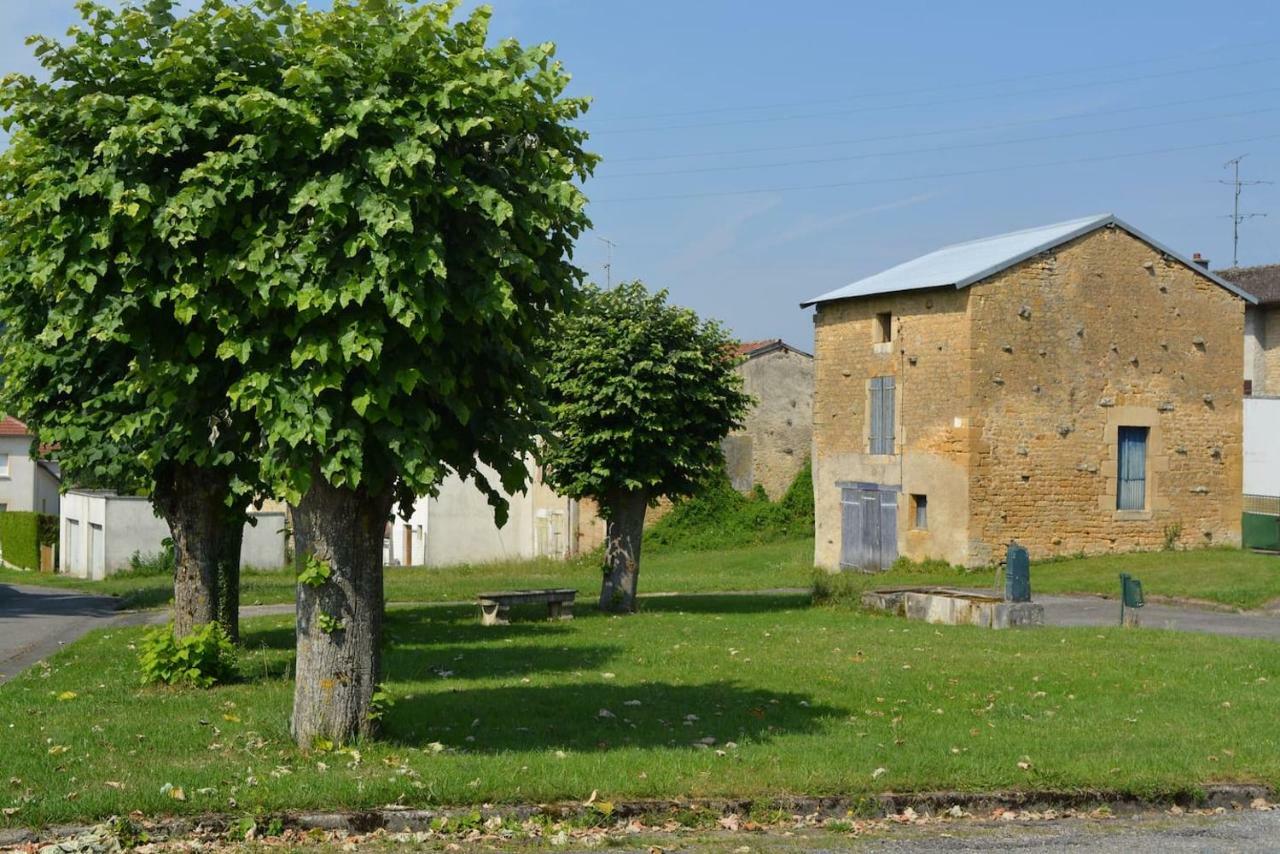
pixel 206 536
pixel 623 532
pixel 338 664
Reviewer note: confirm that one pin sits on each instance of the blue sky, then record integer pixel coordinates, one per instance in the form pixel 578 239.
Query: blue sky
pixel 758 154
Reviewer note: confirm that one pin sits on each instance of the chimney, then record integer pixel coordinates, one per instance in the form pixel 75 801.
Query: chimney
pixel 1203 262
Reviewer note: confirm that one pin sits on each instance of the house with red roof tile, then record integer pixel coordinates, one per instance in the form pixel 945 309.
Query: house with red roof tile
pixel 27 482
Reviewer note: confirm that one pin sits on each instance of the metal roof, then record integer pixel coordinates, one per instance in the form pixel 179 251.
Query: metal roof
pixel 962 264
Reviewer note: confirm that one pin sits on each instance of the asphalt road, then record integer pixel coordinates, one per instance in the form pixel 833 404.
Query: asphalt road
pixel 36 622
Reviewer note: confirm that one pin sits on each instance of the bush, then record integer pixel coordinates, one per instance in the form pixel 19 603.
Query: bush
pixel 21 534
pixel 838 588
pixel 202 658
pixel 160 563
pixel 719 516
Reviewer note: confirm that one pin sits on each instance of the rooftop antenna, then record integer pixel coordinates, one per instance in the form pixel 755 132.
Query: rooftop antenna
pixel 608 265
pixel 1237 217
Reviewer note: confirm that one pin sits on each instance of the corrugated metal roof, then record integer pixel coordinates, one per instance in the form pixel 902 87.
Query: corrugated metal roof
pixel 962 264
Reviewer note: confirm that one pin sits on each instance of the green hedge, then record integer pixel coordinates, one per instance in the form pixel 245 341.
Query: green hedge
pixel 719 516
pixel 22 533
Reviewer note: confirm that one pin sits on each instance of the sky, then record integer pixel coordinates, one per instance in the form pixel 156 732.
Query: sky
pixel 755 155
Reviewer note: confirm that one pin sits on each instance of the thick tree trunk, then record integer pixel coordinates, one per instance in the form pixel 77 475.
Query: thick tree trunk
pixel 206 536
pixel 339 621
pixel 623 531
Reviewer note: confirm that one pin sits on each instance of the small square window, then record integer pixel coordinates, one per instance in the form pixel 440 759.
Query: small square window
pixel 884 327
pixel 920 512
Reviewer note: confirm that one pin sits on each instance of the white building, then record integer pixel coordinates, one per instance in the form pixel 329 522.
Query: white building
pixel 102 531
pixel 26 483
pixel 457 526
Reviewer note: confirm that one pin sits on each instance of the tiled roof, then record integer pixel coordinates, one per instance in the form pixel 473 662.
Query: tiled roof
pixel 748 349
pixel 1262 281
pixel 13 427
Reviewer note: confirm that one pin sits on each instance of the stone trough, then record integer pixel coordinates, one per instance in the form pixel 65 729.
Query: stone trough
pixel 951 607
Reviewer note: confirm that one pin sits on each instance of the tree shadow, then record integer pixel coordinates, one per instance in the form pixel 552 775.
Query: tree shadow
pixel 719 603
pixel 601 716
pixel 462 662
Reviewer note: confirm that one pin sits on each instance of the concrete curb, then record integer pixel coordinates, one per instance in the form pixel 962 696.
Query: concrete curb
pixel 885 804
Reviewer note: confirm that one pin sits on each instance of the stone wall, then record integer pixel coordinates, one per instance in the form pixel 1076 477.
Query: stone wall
pixel 1071 345
pixel 1269 317
pixel 928 357
pixel 777 434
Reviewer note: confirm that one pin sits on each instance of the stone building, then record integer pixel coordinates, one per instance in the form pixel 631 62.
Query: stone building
pixel 1261 327
pixel 1074 387
pixel 777 434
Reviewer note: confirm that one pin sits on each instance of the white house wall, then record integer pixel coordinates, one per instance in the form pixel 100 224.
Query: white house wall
pixel 462 528
pixel 17 488
pixel 1261 448
pixel 129 526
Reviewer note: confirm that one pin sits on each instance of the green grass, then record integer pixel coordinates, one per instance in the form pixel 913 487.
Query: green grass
pixel 1231 577
pixel 798 699
pixel 783 564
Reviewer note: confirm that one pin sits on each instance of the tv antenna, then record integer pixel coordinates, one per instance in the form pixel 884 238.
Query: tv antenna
pixel 608 264
pixel 1236 217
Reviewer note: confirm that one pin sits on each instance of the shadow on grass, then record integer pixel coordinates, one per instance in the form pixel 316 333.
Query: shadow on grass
pixel 712 603
pixel 588 717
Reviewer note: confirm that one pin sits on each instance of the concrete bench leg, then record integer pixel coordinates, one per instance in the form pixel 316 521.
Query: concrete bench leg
pixel 493 615
pixel 559 610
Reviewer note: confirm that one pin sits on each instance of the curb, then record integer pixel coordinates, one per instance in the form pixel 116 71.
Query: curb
pixel 886 804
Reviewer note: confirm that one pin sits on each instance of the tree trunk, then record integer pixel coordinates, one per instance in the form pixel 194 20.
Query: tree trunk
pixel 206 536
pixel 229 574
pixel 624 528
pixel 339 620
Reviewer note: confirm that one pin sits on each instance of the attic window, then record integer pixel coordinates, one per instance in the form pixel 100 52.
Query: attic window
pixel 883 331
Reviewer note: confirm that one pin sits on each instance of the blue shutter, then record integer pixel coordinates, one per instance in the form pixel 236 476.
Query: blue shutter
pixel 886 434
pixel 1131 480
pixel 873 417
pixel 881 416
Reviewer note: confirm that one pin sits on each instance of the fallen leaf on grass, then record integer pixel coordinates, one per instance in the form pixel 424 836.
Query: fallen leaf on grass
pixel 58 749
pixel 67 695
pixel 113 784
pixel 173 791
pixel 876 774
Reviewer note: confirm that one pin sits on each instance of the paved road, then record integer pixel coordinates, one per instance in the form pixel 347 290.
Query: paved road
pixel 1095 611
pixel 36 621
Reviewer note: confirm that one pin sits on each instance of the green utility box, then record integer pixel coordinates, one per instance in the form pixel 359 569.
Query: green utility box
pixel 1260 531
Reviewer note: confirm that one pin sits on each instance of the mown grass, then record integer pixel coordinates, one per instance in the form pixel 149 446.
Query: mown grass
pixel 765 567
pixel 1231 577
pixel 798 699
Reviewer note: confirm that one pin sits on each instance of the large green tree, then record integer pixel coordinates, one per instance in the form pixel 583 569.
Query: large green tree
pixel 642 393
pixel 109 351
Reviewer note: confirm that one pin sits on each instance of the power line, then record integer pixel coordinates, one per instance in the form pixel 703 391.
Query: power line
pixel 765 149
pixel 926 90
pixel 1236 216
pixel 913 105
pixel 938 175
pixel 933 150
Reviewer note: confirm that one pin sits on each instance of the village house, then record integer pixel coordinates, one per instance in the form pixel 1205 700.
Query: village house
pixel 776 436
pixel 457 526
pixel 26 482
pixel 1261 404
pixel 1074 387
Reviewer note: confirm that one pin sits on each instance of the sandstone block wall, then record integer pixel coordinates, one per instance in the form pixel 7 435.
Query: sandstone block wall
pixel 776 438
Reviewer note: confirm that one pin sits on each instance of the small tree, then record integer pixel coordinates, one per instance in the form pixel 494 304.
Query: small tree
pixel 641 394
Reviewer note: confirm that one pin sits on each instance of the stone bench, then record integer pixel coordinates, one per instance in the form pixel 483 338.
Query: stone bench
pixel 494 607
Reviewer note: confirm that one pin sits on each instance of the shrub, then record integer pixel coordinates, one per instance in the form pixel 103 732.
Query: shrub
pixel 159 563
pixel 837 588
pixel 21 534
pixel 718 516
pixel 202 658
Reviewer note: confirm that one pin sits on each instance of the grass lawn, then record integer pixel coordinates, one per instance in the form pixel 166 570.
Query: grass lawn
pixel 1233 577
pixel 697 696
pixel 786 564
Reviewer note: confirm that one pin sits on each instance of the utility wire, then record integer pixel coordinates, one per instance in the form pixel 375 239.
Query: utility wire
pixel 917 104
pixel 927 90
pixel 934 150
pixel 764 149
pixel 937 175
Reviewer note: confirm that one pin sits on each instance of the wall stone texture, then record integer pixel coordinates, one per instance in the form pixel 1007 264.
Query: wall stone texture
pixel 776 437
pixel 1010 394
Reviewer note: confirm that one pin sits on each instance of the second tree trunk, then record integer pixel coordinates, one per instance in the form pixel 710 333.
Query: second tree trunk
pixel 624 529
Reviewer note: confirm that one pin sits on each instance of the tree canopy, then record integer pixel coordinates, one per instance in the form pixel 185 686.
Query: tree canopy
pixel 641 394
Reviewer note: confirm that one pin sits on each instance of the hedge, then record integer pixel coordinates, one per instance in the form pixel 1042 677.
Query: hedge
pixel 22 533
